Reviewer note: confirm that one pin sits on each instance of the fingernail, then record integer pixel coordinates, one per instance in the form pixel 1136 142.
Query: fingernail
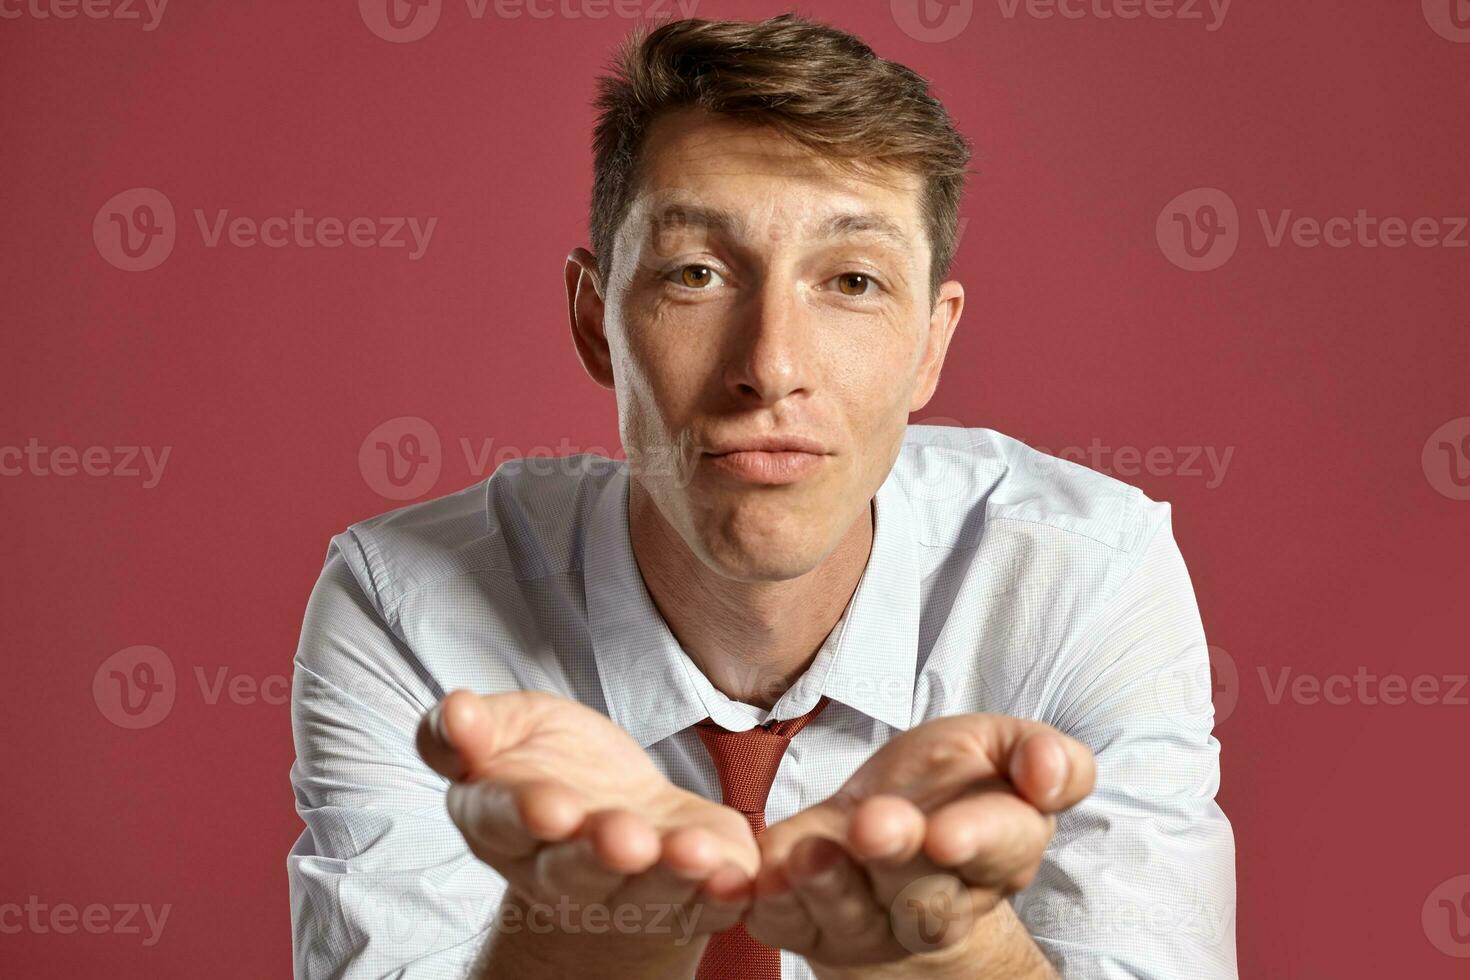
pixel 824 880
pixel 1063 768
pixel 436 722
pixel 455 800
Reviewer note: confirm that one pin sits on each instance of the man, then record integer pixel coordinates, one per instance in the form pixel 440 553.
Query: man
pixel 798 689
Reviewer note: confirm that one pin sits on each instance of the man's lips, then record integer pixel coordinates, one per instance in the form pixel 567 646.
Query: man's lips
pixel 776 460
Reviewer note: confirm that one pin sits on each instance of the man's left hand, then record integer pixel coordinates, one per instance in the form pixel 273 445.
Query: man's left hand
pixel 916 851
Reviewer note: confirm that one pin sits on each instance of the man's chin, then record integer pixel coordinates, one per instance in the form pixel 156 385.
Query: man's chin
pixel 762 540
pixel 763 564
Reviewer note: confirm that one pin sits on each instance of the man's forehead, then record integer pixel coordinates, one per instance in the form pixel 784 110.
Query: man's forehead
pixel 680 210
pixel 704 171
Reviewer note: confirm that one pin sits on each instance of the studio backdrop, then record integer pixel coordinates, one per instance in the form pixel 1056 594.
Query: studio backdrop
pixel 271 268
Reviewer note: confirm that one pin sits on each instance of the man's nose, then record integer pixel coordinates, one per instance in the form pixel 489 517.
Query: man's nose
pixel 771 353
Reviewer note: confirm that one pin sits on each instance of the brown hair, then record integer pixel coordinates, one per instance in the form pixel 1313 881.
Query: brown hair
pixel 819 86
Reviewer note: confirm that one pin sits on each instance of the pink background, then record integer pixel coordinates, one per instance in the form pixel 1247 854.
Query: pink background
pixel 1335 540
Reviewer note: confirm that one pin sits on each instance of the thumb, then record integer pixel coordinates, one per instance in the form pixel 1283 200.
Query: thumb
pixel 460 735
pixel 1051 770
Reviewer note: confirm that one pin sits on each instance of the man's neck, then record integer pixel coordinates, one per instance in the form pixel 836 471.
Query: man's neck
pixel 751 639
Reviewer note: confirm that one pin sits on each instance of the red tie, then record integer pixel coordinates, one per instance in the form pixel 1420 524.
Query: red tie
pixel 747 762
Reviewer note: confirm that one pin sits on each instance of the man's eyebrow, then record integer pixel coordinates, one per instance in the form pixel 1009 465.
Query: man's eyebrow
pixel 841 225
pixel 864 222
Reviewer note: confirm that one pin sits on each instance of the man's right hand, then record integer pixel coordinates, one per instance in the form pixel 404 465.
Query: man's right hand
pixel 569 809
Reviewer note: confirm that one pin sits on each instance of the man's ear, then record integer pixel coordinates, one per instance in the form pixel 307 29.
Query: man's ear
pixel 585 308
pixel 942 322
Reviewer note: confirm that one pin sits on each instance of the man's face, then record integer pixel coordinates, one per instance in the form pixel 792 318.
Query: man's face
pixel 756 292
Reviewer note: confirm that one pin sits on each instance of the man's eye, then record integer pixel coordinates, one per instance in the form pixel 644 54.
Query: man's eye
pixel 855 283
pixel 696 276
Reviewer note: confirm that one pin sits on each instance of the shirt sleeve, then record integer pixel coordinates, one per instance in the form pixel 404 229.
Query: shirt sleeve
pixel 382 884
pixel 1139 880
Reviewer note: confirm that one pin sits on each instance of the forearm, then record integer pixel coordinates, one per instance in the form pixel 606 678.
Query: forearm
pixel 551 942
pixel 998 947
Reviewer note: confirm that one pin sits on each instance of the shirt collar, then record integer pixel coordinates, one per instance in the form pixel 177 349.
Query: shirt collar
pixel 653 689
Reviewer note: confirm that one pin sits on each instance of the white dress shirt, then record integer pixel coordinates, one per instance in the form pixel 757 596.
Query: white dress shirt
pixel 1000 580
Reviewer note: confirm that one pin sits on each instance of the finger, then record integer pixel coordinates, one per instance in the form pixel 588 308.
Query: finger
pixel 777 916
pixel 687 858
pixel 886 829
pixel 692 876
pixel 992 840
pixel 432 738
pixel 887 835
pixel 828 819
pixel 722 899
pixel 932 912
pixel 461 733
pixel 1052 770
pixel 839 899
pixel 611 845
pixel 464 733
pixel 500 821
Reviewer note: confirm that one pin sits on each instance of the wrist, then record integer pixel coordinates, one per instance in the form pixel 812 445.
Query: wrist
pixel 996 947
pixel 531 940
